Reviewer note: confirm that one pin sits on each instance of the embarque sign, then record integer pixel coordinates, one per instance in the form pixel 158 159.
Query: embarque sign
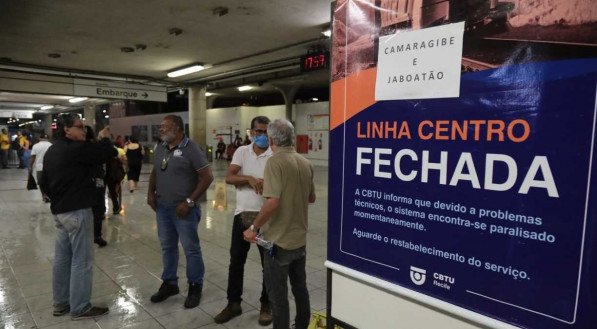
pixel 462 153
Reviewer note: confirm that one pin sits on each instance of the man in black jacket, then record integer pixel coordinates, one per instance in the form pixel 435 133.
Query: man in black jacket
pixel 67 179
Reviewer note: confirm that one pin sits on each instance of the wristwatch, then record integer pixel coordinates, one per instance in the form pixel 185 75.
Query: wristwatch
pixel 190 202
pixel 253 229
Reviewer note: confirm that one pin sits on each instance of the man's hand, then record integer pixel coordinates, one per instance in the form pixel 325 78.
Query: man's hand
pixel 151 201
pixel 249 235
pixel 182 209
pixel 104 133
pixel 256 184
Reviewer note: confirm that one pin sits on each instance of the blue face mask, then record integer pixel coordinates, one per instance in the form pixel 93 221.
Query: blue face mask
pixel 261 141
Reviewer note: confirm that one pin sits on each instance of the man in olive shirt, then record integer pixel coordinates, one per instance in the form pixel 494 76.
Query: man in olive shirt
pixel 288 188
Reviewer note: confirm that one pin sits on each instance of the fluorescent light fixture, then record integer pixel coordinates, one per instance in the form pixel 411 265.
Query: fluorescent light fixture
pixel 185 71
pixel 244 88
pixel 327 33
pixel 207 94
pixel 77 99
pixel 315 99
pixel 47 107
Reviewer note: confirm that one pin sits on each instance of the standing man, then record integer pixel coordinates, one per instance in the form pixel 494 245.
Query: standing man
pixel 179 176
pixel 4 148
pixel 288 189
pixel 24 151
pixel 246 173
pixel 36 161
pixel 67 180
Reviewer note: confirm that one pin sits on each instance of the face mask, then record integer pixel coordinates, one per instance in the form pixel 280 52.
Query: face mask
pixel 261 141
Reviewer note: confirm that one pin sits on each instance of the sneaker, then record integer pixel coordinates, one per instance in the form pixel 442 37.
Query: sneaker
pixel 165 291
pixel 93 312
pixel 194 296
pixel 265 314
pixel 61 310
pixel 231 311
pixel 100 242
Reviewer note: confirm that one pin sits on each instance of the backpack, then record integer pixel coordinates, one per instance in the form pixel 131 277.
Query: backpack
pixel 114 170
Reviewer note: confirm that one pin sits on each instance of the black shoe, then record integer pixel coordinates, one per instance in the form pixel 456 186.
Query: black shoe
pixel 92 313
pixel 194 296
pixel 165 291
pixel 116 211
pixel 61 310
pixel 265 315
pixel 231 311
pixel 100 241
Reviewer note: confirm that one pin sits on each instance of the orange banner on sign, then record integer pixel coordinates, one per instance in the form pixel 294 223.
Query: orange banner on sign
pixel 362 95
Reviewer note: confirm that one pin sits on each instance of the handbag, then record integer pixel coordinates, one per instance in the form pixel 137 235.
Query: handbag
pixel 248 217
pixel 31 184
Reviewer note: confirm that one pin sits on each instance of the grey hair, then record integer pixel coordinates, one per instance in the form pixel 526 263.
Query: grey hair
pixel 282 132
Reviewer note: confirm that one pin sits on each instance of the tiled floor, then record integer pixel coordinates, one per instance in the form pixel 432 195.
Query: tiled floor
pixel 127 271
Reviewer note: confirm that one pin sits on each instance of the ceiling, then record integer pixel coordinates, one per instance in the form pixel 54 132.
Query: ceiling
pixel 239 41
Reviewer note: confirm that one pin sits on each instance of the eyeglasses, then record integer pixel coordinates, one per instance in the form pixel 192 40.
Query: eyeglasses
pixel 260 131
pixel 80 127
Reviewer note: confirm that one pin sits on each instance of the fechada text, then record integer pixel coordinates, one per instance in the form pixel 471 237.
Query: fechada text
pixel 388 162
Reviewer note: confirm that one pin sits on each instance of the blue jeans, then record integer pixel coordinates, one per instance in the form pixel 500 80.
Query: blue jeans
pixel 170 230
pixel 284 265
pixel 4 156
pixel 73 260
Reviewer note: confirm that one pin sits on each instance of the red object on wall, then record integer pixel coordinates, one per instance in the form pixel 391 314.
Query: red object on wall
pixel 302 144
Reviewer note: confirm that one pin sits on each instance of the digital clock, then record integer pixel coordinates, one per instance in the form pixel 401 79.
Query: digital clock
pixel 315 61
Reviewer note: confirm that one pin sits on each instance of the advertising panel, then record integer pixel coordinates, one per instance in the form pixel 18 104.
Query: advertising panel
pixel 462 153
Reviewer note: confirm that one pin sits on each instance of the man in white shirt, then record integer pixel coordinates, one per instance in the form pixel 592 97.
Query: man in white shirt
pixel 36 161
pixel 246 173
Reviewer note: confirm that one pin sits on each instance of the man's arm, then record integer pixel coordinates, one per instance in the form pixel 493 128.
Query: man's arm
pixel 265 213
pixel 233 178
pixel 205 179
pixel 151 191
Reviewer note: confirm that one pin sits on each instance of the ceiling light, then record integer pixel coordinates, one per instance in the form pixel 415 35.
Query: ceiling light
pixel 185 71
pixel 77 99
pixel 47 107
pixel 207 94
pixel 314 99
pixel 327 33
pixel 244 88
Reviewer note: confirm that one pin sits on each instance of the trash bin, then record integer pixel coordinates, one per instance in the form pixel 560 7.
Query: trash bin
pixel 209 154
pixel 148 155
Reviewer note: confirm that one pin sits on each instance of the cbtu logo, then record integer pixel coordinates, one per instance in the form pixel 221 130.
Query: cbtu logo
pixel 417 275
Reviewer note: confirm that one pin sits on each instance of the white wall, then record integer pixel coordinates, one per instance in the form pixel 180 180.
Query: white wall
pixel 220 120
pixel 122 126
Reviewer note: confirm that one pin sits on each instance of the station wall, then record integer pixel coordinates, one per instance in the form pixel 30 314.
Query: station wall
pixel 222 122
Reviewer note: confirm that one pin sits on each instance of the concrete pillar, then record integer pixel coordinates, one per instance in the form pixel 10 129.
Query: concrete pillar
pixel 198 116
pixel 89 115
pixel 47 124
pixel 288 92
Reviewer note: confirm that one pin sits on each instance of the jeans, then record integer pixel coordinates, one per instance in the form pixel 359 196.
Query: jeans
pixel 99 211
pixel 115 193
pixel 4 156
pixel 73 260
pixel 170 230
pixel 239 249
pixel 284 265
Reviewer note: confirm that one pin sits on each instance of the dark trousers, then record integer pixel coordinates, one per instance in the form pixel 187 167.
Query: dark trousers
pixel 99 211
pixel 284 265
pixel 4 155
pixel 115 192
pixel 239 248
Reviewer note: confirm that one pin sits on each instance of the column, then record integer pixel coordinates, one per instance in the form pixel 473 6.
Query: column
pixel 89 116
pixel 197 116
pixel 288 92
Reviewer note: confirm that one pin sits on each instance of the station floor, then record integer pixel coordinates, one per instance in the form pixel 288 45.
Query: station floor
pixel 127 271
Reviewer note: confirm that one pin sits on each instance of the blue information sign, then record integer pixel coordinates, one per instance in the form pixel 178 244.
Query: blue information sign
pixel 484 200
